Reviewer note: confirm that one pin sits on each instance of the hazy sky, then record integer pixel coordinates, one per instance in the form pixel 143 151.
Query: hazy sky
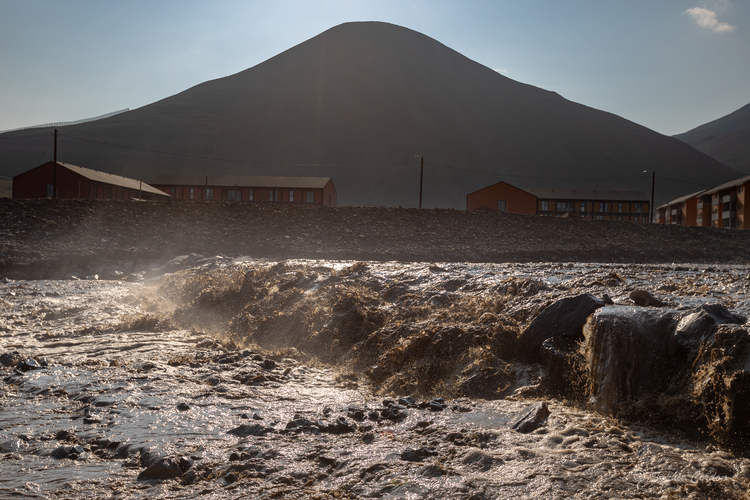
pixel 670 65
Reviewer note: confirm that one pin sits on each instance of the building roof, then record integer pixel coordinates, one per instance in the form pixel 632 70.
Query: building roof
pixel 683 199
pixel 114 180
pixel 727 185
pixel 241 181
pixel 574 194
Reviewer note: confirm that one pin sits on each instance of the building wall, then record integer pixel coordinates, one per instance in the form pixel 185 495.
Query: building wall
pixel 625 211
pixel 516 200
pixel 325 196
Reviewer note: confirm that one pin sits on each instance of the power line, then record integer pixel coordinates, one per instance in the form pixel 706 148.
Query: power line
pixel 25 136
pixel 535 177
pixel 233 160
pixel 463 169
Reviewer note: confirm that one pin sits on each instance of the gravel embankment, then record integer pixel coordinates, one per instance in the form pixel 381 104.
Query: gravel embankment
pixel 52 238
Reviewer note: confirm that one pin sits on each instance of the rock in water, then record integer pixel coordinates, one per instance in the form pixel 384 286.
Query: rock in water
pixel 250 430
pixel 627 354
pixel 532 418
pixel 165 468
pixel 698 327
pixel 645 298
pixel 565 317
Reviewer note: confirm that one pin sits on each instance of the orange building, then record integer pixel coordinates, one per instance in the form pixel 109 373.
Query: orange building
pixel 722 206
pixel 682 211
pixel 728 204
pixel 257 189
pixel 631 206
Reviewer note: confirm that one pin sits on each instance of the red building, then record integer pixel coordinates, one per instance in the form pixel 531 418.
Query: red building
pixel 630 206
pixel 257 189
pixel 63 180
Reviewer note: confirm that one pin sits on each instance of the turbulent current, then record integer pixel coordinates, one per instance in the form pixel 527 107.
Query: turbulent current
pixel 322 379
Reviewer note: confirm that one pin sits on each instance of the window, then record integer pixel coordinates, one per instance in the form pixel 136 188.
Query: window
pixel 250 196
pixel 599 217
pixel 545 205
pixel 192 193
pixel 172 191
pixel 234 195
pixel 50 190
pixel 209 194
pixel 273 195
pixel 311 196
pixel 604 207
pixel 291 195
pixel 619 208
pixel 583 206
pixel 637 208
pixel 564 206
pixel 501 205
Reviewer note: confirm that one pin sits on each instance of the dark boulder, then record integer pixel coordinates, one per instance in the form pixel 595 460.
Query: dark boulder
pixel 645 298
pixel 564 318
pixel 698 327
pixel 626 354
pixel 532 418
pixel 250 430
pixel 164 468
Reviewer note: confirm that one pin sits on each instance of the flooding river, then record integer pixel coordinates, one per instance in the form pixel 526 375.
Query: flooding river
pixel 98 383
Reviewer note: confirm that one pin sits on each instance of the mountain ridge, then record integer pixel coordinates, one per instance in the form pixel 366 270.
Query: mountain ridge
pixel 376 93
pixel 727 138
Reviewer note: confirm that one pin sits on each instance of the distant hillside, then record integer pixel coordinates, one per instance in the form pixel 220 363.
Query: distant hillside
pixel 358 103
pixel 726 139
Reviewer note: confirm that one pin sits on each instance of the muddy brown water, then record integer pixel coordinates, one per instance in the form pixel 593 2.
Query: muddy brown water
pixel 125 393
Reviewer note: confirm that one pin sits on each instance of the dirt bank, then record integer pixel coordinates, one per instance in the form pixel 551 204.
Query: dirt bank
pixel 53 238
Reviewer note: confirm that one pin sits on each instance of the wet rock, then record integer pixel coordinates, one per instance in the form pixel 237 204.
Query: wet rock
pixel 268 364
pixel 532 418
pixel 626 354
pixel 697 327
pixel 250 430
pixel 417 455
pixel 480 460
pixel 29 364
pixel 164 468
pixel 66 435
pixel 70 452
pixel 645 298
pixel 12 446
pixel 368 437
pixel 564 318
pixel 10 358
pixel 183 407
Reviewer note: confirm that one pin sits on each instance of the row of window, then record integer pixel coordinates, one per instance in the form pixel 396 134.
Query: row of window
pixel 236 195
pixel 569 206
pixel 590 206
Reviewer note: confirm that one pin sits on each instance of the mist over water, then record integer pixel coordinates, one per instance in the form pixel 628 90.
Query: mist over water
pixel 295 357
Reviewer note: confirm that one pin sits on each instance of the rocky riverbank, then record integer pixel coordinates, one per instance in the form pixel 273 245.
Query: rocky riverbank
pixel 58 238
pixel 326 379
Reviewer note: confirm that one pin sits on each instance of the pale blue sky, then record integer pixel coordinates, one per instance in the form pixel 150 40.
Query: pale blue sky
pixel 670 65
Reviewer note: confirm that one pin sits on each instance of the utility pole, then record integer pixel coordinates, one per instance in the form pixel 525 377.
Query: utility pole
pixel 421 176
pixel 54 168
pixel 653 181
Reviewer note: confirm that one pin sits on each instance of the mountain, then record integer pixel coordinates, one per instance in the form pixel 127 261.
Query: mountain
pixel 358 103
pixel 726 139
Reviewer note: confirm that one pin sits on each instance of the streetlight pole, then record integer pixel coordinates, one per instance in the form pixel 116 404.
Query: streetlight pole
pixel 421 176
